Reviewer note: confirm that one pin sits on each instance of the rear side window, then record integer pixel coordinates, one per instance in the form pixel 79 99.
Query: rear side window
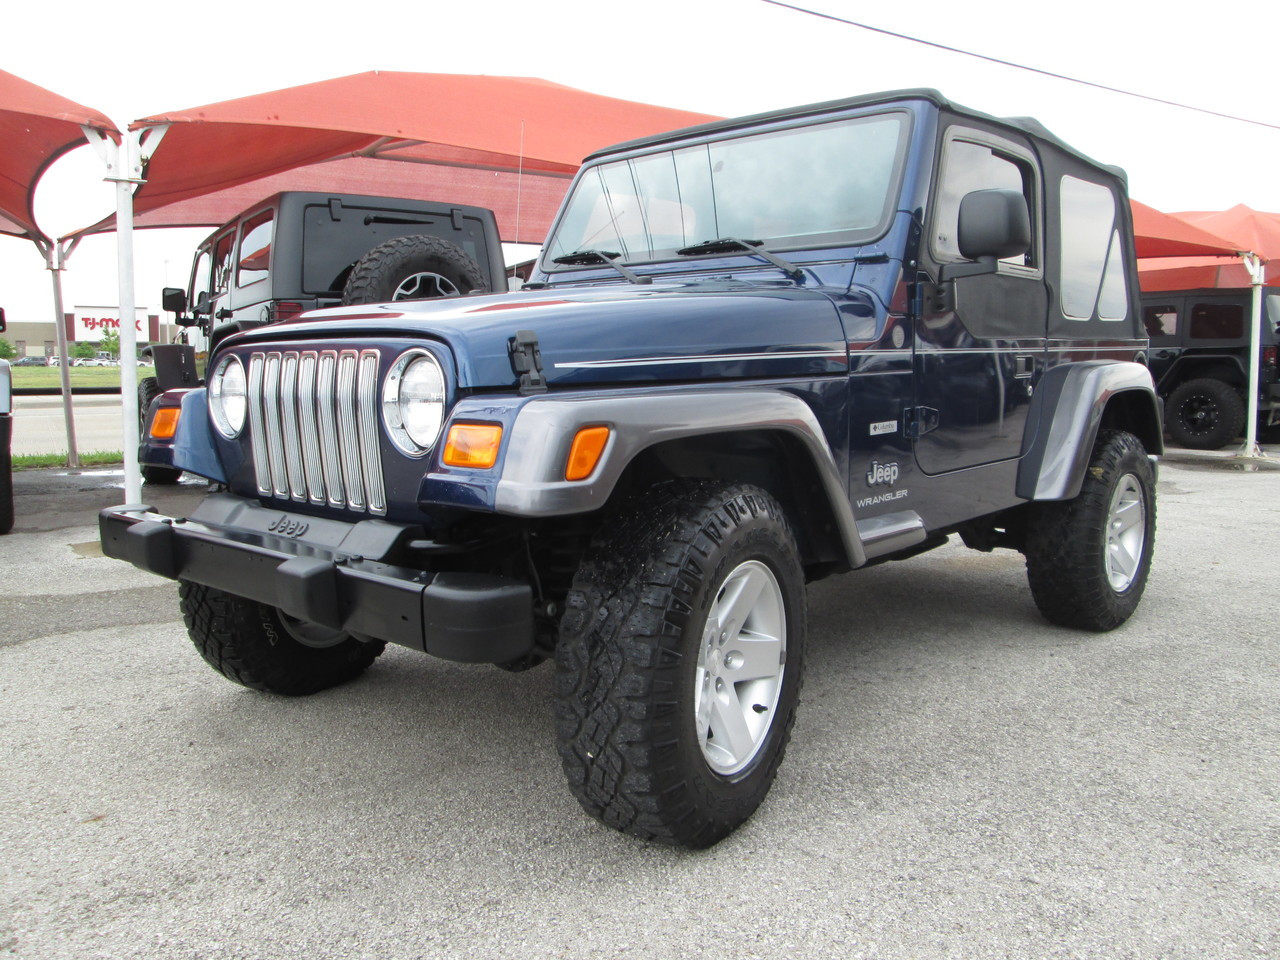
pixel 255 249
pixel 1093 281
pixel 1217 321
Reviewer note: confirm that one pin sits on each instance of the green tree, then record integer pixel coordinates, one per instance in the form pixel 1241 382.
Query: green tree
pixel 111 343
pixel 83 349
pixel 7 351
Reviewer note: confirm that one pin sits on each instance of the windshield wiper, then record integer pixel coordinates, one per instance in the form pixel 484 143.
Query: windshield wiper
pixel 584 257
pixel 727 244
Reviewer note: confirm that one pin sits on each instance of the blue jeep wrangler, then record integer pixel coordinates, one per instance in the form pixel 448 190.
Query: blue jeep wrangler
pixel 753 353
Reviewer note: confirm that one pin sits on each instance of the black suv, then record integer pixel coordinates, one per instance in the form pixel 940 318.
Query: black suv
pixel 1200 360
pixel 753 354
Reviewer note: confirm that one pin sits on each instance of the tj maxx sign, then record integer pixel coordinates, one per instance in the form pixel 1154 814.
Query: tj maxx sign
pixel 90 323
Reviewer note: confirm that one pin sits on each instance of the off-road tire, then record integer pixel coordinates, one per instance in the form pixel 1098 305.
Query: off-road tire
pixel 628 656
pixel 382 271
pixel 6 475
pixel 148 390
pixel 248 643
pixel 1204 414
pixel 1068 541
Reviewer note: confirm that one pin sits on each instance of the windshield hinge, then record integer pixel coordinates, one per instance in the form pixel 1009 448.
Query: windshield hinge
pixel 917 421
pixel 526 362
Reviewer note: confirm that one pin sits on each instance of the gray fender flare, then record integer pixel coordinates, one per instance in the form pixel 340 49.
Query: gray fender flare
pixel 1067 412
pixel 533 485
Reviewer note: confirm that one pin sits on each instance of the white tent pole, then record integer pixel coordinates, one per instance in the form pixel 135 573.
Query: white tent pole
pixel 124 169
pixel 56 259
pixel 1256 276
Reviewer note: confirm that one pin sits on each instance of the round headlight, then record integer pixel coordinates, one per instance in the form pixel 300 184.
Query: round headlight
pixel 413 402
pixel 228 398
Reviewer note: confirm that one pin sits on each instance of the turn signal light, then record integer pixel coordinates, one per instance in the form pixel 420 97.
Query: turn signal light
pixel 473 445
pixel 588 445
pixel 165 423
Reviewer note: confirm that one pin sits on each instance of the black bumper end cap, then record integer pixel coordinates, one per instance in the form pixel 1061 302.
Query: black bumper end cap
pixel 477 618
pixel 307 588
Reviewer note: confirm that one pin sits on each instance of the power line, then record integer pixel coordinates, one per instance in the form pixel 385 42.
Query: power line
pixel 1021 66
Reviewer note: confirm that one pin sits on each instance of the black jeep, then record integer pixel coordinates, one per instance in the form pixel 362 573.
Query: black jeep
pixel 1200 359
pixel 297 251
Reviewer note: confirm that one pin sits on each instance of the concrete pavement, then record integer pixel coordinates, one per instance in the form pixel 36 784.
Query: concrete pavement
pixel 964 780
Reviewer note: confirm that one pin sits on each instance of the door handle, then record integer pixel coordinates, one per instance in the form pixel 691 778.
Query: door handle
pixel 1023 367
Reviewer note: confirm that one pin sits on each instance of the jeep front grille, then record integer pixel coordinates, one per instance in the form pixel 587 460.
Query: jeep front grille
pixel 313 422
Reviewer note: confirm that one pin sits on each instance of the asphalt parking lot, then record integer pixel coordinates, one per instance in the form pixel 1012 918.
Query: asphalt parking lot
pixel 964 780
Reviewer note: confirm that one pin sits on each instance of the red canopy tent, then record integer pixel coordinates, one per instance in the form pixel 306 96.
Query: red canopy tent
pixel 1162 235
pixel 37 127
pixel 1250 230
pixel 507 143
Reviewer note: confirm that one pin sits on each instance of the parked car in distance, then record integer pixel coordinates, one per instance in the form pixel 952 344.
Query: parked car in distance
pixel 1200 345
pixel 31 361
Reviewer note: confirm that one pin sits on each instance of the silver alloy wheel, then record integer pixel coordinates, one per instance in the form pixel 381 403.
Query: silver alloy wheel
pixel 424 286
pixel 1126 533
pixel 741 659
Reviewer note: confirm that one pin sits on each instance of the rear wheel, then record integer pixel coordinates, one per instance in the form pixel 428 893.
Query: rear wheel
pixel 148 390
pixel 257 646
pixel 1205 414
pixel 1088 558
pixel 679 663
pixel 412 268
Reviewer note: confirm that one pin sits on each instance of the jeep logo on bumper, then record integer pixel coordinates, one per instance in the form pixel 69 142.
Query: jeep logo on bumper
pixel 287 526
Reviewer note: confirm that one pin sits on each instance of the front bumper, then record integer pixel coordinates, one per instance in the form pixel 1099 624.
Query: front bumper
pixel 330 572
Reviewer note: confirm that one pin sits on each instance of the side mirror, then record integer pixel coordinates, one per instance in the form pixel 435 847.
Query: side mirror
pixel 174 300
pixel 994 224
pixel 2 326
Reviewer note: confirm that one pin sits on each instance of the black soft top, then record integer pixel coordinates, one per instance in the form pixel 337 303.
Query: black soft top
pixel 1026 125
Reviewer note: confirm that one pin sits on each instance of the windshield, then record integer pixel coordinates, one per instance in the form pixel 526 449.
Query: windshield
pixel 801 187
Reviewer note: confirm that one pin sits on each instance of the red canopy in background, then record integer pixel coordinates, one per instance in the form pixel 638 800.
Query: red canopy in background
pixel 1163 235
pixel 1249 230
pixel 506 143
pixel 36 127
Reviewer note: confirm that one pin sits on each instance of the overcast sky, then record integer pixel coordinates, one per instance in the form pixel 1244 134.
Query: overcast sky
pixel 723 57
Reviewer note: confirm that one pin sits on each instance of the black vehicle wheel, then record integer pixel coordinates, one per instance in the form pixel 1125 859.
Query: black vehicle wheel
pixel 679 663
pixel 148 390
pixel 412 268
pixel 255 645
pixel 1204 414
pixel 6 475
pixel 1088 558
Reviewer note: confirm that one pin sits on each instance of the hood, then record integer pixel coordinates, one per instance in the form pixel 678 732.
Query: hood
pixel 680 332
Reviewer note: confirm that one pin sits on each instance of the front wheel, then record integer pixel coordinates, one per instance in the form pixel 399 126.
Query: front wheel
pixel 1088 558
pixel 257 646
pixel 679 662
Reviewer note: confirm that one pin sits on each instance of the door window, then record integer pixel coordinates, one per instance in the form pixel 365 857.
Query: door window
pixel 222 263
pixel 968 166
pixel 1160 320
